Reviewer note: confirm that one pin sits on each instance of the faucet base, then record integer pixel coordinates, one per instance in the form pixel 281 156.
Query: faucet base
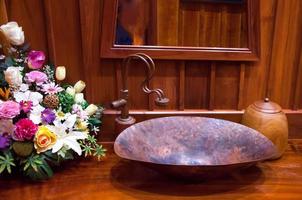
pixel 121 124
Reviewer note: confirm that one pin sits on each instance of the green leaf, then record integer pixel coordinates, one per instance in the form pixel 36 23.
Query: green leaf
pixel 99 151
pixel 2 168
pixel 36 167
pixel 91 139
pixel 94 121
pixel 87 150
pixel 6 162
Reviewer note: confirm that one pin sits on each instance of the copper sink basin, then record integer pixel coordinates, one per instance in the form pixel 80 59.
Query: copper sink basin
pixel 193 147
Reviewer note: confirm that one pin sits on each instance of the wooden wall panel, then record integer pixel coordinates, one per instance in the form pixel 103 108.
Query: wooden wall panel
pixel 190 25
pixel 227 86
pixel 298 93
pixel 65 36
pixel 31 16
pixel 284 55
pixel 166 78
pixel 169 22
pixel 69 32
pixel 197 81
pixel 256 78
pixel 208 24
pixel 137 98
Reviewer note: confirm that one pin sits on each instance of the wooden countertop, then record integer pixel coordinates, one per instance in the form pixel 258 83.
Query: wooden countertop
pixel 115 179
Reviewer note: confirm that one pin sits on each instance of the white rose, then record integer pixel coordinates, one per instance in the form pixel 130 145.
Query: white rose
pixel 13 32
pixel 13 76
pixel 79 98
pixel 91 109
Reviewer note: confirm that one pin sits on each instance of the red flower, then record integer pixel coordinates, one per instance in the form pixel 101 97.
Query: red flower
pixel 25 130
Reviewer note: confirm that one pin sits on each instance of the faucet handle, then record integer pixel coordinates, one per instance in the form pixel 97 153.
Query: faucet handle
pixel 162 101
pixel 118 103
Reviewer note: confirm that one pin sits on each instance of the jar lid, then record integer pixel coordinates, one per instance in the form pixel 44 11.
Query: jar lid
pixel 266 106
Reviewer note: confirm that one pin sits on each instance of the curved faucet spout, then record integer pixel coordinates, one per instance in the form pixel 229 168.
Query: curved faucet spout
pixel 161 100
pixel 151 69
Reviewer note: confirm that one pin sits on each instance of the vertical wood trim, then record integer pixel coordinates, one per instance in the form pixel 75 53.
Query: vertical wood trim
pixel 3 12
pixel 212 86
pixel 269 77
pixel 154 31
pixel 90 28
pixel 241 86
pixel 150 97
pixel 298 86
pixel 118 77
pixel 298 64
pixel 182 76
pixel 50 32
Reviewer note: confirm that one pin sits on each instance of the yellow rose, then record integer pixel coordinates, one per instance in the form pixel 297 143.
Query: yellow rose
pixel 44 139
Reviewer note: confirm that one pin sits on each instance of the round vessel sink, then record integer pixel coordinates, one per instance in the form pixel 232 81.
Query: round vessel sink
pixel 193 147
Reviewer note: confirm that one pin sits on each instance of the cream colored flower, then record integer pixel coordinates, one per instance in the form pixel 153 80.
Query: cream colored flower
pixel 71 91
pixel 13 32
pixel 79 98
pixel 81 125
pixel 13 76
pixel 91 109
pixel 60 73
pixel 79 86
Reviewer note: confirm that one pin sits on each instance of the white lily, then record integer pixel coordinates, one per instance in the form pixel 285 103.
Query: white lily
pixel 66 135
pixel 35 97
pixel 35 114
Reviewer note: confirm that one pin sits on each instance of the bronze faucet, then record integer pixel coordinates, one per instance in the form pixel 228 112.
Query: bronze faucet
pixel 122 103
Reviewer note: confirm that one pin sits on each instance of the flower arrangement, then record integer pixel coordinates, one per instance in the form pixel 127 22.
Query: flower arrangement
pixel 42 123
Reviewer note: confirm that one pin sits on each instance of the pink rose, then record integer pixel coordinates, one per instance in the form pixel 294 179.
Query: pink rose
pixel 35 59
pixel 9 109
pixel 36 77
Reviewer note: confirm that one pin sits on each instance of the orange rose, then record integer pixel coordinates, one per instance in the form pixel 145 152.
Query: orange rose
pixel 44 139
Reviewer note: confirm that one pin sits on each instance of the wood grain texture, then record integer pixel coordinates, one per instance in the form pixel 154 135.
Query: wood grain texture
pixel 3 12
pixel 117 179
pixel 70 34
pixel 284 53
pixel 182 79
pixel 241 87
pixel 31 16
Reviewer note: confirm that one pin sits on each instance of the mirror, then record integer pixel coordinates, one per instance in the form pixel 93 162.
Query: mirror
pixel 182 29
pixel 189 23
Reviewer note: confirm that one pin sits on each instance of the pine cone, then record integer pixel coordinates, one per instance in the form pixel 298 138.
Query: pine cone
pixel 51 101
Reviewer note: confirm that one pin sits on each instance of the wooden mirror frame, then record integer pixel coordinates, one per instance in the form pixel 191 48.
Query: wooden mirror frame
pixel 111 50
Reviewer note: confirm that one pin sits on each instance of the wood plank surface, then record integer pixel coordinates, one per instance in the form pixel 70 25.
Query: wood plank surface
pixel 122 180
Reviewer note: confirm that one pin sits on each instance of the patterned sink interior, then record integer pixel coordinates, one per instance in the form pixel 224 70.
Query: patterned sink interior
pixel 193 142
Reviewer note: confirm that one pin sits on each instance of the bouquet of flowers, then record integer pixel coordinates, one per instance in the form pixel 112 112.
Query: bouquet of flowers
pixel 41 122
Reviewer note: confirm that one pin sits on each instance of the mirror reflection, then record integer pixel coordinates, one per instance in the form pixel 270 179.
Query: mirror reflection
pixel 189 23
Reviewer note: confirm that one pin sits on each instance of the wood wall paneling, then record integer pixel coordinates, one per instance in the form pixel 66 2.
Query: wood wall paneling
pixel 287 36
pixel 69 32
pixel 31 16
pixel 197 85
pixel 3 12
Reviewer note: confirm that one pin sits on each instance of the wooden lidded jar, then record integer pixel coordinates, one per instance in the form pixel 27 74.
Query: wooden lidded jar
pixel 267 118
